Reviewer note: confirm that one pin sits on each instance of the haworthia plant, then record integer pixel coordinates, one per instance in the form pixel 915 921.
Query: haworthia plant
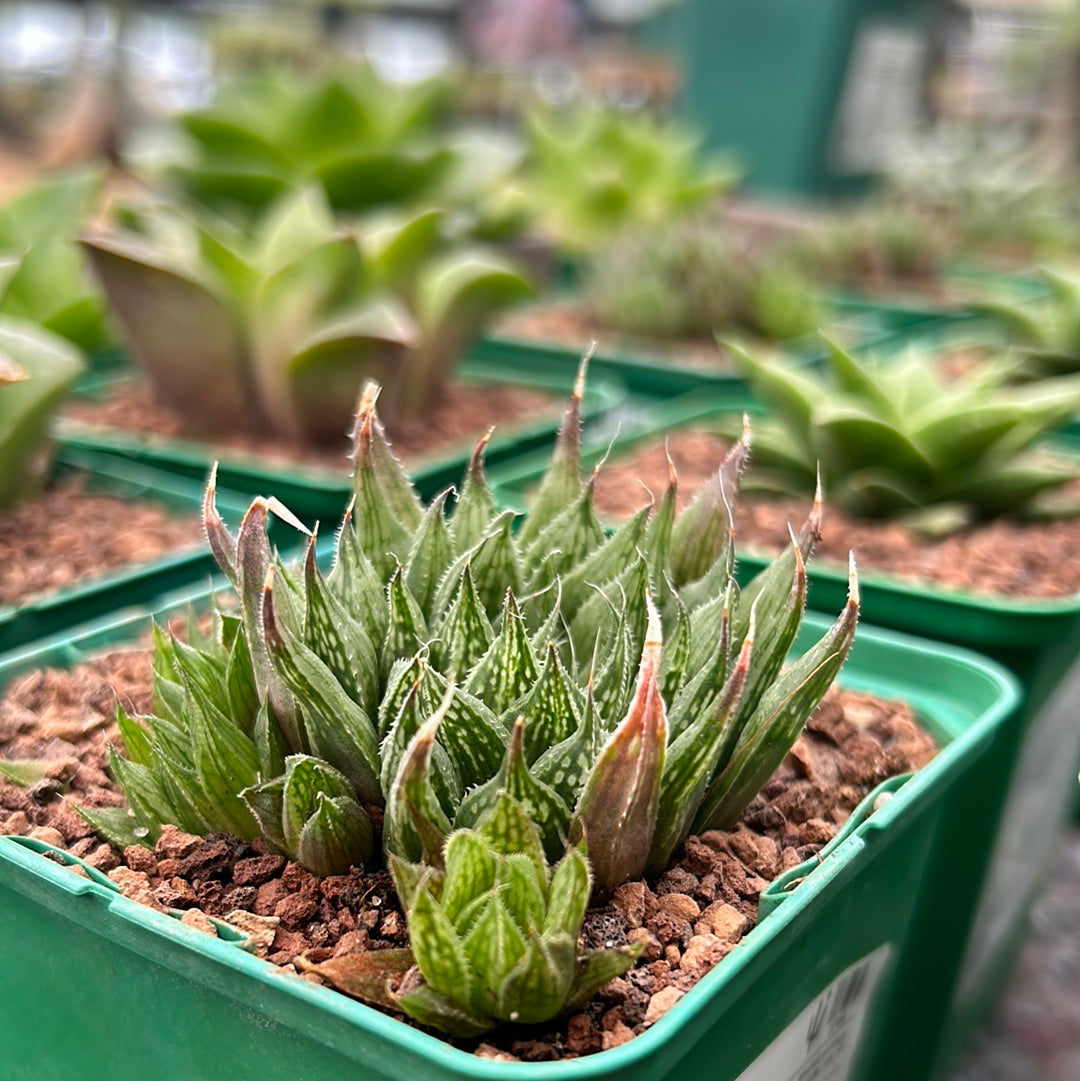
pixel 896 438
pixel 49 282
pixel 493 933
pixel 620 687
pixel 36 370
pixel 1047 331
pixel 280 329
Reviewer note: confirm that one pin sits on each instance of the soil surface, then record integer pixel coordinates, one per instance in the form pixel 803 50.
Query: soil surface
pixel 688 919
pixel 574 326
pixel 68 534
pixel 1003 557
pixel 463 415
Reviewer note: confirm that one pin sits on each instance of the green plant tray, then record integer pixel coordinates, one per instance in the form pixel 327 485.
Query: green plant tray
pixel 132 584
pixel 650 374
pixel 323 493
pixel 815 983
pixel 1003 819
pixel 903 311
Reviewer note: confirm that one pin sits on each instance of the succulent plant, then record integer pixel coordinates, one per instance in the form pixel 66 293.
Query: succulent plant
pixel 49 282
pixel 895 438
pixel 36 370
pixel 620 687
pixel 595 172
pixel 694 278
pixel 279 329
pixel 1046 331
pixel 366 142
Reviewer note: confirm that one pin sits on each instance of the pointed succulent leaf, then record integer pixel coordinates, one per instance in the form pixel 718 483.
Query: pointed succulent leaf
pixel 536 988
pixel 267 803
pixel 702 535
pixel 340 640
pixel 366 974
pixel 562 481
pixel 415 825
pixel 571 887
pixel 550 709
pixel 508 669
pixel 431 553
pixel 439 950
pixel 599 967
pixel 565 765
pixel 307 781
pixel 222 542
pixel 779 718
pixel 470 873
pixel 407 629
pixel 465 633
pixel 430 1008
pixel 493 946
pixel 473 737
pixel 474 509
pixel 618 806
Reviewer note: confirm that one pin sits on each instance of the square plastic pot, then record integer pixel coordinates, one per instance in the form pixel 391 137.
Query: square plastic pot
pixel 138 583
pixel 812 986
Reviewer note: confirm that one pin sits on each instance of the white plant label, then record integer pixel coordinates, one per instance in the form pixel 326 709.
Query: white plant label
pixel 821 1043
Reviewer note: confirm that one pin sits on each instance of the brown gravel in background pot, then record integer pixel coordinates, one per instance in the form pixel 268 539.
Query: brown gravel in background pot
pixel 68 533
pixel 694 914
pixel 463 415
pixel 1003 557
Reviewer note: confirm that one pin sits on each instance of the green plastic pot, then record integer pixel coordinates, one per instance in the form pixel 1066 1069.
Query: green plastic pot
pixel 651 374
pixel 909 310
pixel 1001 820
pixel 816 978
pixel 140 583
pixel 314 493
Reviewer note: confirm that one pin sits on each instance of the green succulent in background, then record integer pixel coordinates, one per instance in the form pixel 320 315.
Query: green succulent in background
pixel 280 328
pixel 50 283
pixel 896 438
pixel 693 278
pixel 1046 331
pixel 620 687
pixel 36 371
pixel 592 173
pixel 367 143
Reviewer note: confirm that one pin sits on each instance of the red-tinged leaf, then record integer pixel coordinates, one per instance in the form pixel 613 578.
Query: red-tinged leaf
pixel 369 975
pixel 619 804
pixel 222 542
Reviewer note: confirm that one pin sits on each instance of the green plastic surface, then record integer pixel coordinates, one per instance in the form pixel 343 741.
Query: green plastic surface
pixel 651 373
pixel 322 494
pixel 145 993
pixel 139 583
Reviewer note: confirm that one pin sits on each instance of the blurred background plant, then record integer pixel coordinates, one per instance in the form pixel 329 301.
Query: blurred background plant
pixel 695 277
pixel 278 328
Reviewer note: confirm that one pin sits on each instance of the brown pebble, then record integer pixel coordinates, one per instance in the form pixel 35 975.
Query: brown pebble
pixel 259 929
pixel 295 910
pixel 16 824
pixel 616 1036
pixel 661 1002
pixel 269 896
pixel 702 953
pixel 582 1036
pixel 653 948
pixel 629 901
pixel 140 858
pixel 48 835
pixel 256 870
pixel 195 917
pixel 680 906
pixel 175 844
pixel 724 921
pixel 103 858
pixel 486 1050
